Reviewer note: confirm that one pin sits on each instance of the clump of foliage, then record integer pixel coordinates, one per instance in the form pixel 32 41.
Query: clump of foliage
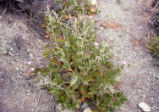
pixel 154 23
pixel 154 45
pixel 79 69
pixel 76 7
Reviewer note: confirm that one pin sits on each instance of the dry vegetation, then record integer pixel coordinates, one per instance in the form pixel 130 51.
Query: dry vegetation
pixel 153 45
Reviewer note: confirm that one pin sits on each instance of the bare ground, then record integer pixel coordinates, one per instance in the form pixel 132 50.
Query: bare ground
pixel 18 45
pixel 140 82
pixel 127 33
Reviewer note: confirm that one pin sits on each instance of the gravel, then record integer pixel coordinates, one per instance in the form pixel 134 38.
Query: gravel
pixel 18 93
pixel 138 82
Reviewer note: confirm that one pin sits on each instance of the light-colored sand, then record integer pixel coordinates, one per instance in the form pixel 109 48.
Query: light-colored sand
pixel 140 82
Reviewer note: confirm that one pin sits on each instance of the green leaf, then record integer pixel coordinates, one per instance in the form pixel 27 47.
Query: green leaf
pixel 77 70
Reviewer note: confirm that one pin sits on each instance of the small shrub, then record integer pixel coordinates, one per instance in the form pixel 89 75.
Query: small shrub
pixel 76 7
pixel 79 71
pixel 154 45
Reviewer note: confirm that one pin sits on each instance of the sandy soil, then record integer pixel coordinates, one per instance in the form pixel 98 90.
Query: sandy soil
pixel 123 27
pixel 18 45
pixel 127 33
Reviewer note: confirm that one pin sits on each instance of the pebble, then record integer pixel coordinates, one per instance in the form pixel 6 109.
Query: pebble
pixel 93 2
pixel 15 24
pixel 96 43
pixel 87 110
pixel 156 77
pixel 90 17
pixel 141 27
pixel 101 28
pixel 31 56
pixel 17 69
pixel 84 105
pixel 28 92
pixel 144 107
pixel 23 37
pixel 59 108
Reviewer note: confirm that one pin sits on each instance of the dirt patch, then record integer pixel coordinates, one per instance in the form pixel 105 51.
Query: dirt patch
pixel 18 45
pixel 140 82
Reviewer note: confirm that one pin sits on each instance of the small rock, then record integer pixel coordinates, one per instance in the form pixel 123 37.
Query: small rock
pixel 101 28
pixel 93 2
pixel 156 77
pixel 84 105
pixel 144 107
pixel 23 37
pixel 87 110
pixel 96 43
pixel 31 56
pixel 28 92
pixel 59 108
pixel 15 24
pixel 17 69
